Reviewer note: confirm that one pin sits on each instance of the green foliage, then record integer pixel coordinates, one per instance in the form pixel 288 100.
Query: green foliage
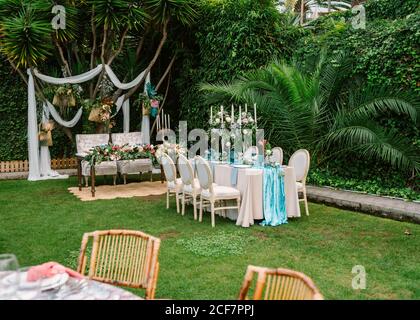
pixel 319 110
pixel 25 38
pixel 390 9
pixel 13 115
pixel 232 37
pixel 385 53
pixel 381 182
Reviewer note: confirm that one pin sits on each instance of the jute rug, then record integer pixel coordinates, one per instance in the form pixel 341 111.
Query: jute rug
pixel 106 192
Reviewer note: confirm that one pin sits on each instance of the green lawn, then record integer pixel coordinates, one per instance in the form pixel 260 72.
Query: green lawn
pixel 41 222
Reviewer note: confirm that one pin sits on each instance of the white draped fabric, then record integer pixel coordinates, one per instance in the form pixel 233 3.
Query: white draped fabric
pixel 117 82
pixel 70 80
pixel 59 120
pixel 39 159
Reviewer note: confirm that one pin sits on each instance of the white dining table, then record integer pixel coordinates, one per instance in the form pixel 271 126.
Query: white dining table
pixel 250 183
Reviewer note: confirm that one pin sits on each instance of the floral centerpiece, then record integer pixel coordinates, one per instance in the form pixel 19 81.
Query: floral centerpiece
pixel 171 149
pixel 239 123
pixel 113 152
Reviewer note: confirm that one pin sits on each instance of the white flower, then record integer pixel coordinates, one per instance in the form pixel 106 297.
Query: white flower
pixel 244 114
pixel 245 132
pixel 245 121
pixel 228 119
pixel 217 120
pixel 251 120
pixel 228 144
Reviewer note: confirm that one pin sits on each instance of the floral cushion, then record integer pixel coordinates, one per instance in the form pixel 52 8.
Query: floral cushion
pixel 132 138
pixel 85 142
pixel 106 168
pixel 134 166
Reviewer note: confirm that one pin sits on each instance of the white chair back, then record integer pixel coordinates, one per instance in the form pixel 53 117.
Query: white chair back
pixel 86 142
pixel 277 155
pixel 131 138
pixel 185 170
pixel 251 150
pixel 169 168
pixel 300 160
pixel 205 176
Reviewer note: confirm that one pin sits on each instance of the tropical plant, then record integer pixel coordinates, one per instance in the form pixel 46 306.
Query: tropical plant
pixel 115 29
pixel 320 110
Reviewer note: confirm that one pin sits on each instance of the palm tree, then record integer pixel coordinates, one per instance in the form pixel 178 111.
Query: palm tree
pixel 319 111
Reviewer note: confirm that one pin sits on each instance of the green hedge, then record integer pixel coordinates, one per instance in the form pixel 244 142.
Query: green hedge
pixel 13 115
pixel 233 36
pixel 385 53
pixel 390 9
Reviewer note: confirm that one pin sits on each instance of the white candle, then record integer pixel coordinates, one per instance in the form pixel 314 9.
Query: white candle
pixel 158 122
pixel 163 120
pixel 240 117
pixel 221 109
pixel 246 108
pixel 255 113
pixel 211 115
pixel 232 116
pixel 169 121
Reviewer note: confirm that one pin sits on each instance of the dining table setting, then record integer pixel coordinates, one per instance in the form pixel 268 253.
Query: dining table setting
pixel 52 281
pixel 268 191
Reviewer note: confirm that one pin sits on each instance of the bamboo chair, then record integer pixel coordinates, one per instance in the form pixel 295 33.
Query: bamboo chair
pixel 123 258
pixel 279 284
pixel 300 160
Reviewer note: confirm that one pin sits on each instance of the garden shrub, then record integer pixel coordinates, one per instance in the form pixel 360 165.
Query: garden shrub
pixel 13 115
pixel 232 37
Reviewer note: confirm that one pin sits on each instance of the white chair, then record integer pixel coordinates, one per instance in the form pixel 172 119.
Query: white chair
pixel 250 151
pixel 300 160
pixel 211 192
pixel 191 187
pixel 277 155
pixel 174 184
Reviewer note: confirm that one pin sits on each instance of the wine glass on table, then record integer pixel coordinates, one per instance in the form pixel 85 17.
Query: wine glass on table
pixel 29 290
pixel 8 276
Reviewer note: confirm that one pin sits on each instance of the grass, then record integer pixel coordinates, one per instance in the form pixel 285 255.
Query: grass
pixel 41 221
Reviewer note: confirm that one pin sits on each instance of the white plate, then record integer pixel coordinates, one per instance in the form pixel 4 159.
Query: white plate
pixel 241 166
pixel 46 284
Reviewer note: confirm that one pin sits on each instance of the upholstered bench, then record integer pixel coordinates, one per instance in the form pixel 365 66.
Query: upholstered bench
pixel 84 144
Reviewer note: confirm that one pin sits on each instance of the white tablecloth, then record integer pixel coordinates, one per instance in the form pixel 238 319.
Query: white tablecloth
pixel 250 184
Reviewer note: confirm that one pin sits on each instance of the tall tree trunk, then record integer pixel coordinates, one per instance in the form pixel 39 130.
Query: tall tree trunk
pixel 152 63
pixel 302 11
pixel 101 76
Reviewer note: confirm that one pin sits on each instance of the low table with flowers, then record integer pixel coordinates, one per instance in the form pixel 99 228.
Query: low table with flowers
pixel 113 159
